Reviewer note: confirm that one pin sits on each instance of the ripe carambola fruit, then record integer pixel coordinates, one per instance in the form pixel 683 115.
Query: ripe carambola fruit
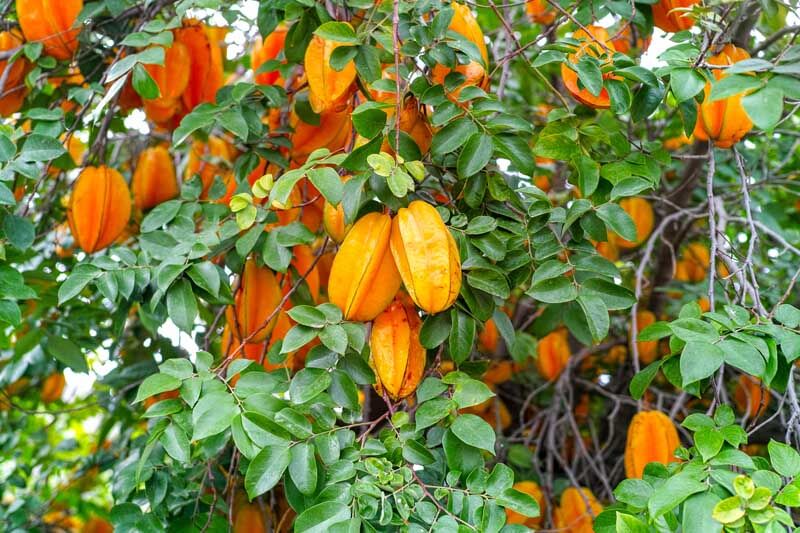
pixel 396 353
pixel 154 179
pixel 573 514
pixel 99 208
pixel 652 437
pixel 590 39
pixel 51 22
pixel 364 278
pixel 14 90
pixel 328 88
pixel 648 350
pixel 641 212
pixel 553 353
pixel 267 50
pixel 426 256
pixel 464 23
pixel 205 66
pixel 723 121
pixel 670 19
pixel 52 387
pixel 256 300
pixel 749 395
pixel 172 78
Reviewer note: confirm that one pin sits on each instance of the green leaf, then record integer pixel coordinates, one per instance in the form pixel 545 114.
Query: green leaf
pixel 307 384
pixel 728 510
pixel 693 329
pixel 642 380
pixel 785 459
pixel 596 312
pixel 462 335
pixel 40 147
pixel 307 316
pixel 369 120
pixel 452 136
pixel 10 312
pixel 160 215
pixel 634 492
pixel 589 74
pixel 176 443
pixel 19 231
pixel 297 337
pixel 416 453
pixel 143 83
pixel 626 523
pixel 520 502
pixel 265 470
pixel 435 330
pixel 764 107
pixel 205 276
pixel 685 83
pixel 328 182
pixel 708 442
pixel 233 121
pixel 672 492
pixel 474 431
pixel 696 515
pixel 475 155
pixel 554 290
pixel 618 220
pixel 68 353
pixel 700 360
pixel 156 384
pixel 303 468
pixel 319 518
pixel 588 174
pixel 732 85
pixel 182 305
pixel 469 392
pixel 212 414
pixel 337 31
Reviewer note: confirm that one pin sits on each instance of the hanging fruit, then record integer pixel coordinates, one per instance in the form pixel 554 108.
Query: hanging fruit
pixel 99 208
pixel 13 90
pixel 52 387
pixel 172 78
pixel 267 50
pixel 333 219
pixel 205 65
pixel 52 23
pixel 364 279
pixel 723 121
pixel 426 256
pixel 475 74
pixel 576 511
pixel 652 437
pixel 209 160
pixel 255 309
pixel 553 353
pixel 595 42
pixel 414 123
pixel 750 396
pixel 154 179
pixel 540 12
pixel 396 354
pixel 671 16
pixel 329 89
pixel 648 350
pixel 333 132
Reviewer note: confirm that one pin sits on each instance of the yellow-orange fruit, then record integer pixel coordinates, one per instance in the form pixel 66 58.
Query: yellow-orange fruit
pixel 627 40
pixel 589 45
pixel 332 132
pixel 531 488
pixel 576 511
pixel 749 395
pixel 607 249
pixel 723 121
pixel 652 437
pixel 414 122
pixel 154 179
pixel 693 265
pixel 303 259
pixel 14 90
pixel 540 11
pixel 97 525
pixel 674 143
pixel 256 300
pixel 267 50
pixel 670 17
pixel 51 22
pixel 99 208
pixel 648 350
pixel 427 257
pixel 205 66
pixel 475 74
pixel 488 337
pixel 553 353
pixel 333 219
pixel 498 372
pixel 395 351
pixel 210 160
pixel 172 78
pixel 328 89
pixel 249 519
pixel 641 212
pixel 52 387
pixel 494 412
pixel 364 279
